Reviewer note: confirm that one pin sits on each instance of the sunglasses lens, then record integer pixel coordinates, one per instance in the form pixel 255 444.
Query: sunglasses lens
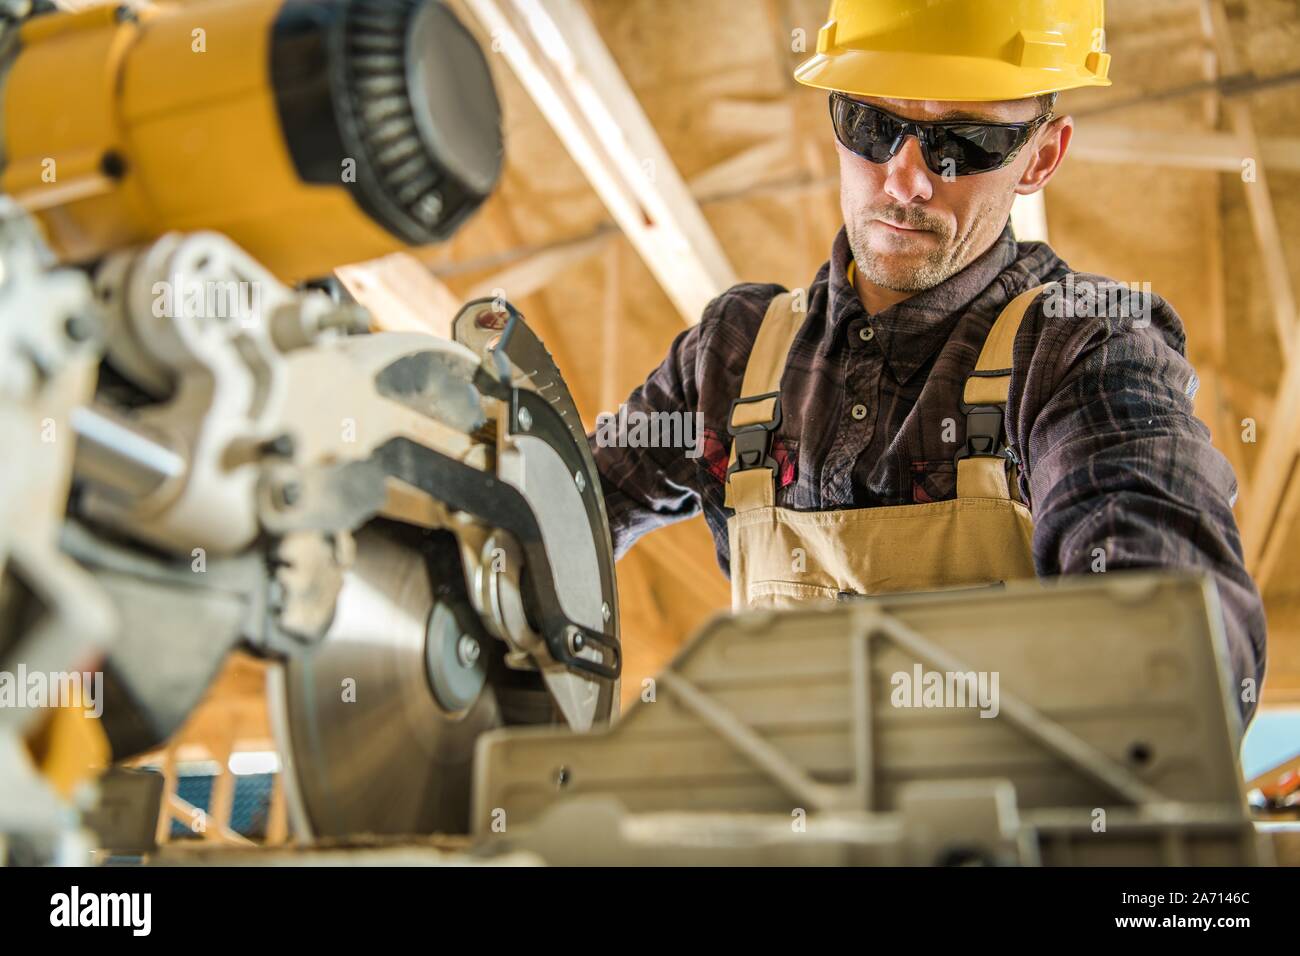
pixel 957 149
pixel 867 132
pixel 962 150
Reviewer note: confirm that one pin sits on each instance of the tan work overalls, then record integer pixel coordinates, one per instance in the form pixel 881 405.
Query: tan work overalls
pixel 781 557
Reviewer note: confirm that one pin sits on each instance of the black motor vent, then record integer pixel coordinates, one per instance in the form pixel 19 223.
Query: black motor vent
pixel 400 88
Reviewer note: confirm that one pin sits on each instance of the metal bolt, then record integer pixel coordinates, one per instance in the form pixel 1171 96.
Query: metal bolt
pixel 525 419
pixel 428 208
pixel 288 494
pixel 580 480
pixel 562 777
pixel 605 611
pixel 467 651
pixel 78 328
pixel 576 641
pixel 281 446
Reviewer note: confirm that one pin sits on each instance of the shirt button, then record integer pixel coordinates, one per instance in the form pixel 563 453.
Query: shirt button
pixel 859 412
pixel 866 333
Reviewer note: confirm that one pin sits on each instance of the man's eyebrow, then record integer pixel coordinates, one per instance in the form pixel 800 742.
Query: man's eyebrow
pixel 956 113
pixel 968 115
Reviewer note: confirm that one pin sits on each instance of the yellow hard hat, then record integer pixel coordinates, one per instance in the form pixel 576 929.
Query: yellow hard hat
pixel 974 50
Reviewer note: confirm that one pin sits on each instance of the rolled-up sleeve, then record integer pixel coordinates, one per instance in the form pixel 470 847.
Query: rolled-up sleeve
pixel 1118 468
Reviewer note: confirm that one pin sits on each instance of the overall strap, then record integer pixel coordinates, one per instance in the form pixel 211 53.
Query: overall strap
pixel 982 461
pixel 756 414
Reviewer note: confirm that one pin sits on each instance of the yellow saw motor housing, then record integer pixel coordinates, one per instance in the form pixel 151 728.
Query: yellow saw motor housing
pixel 223 114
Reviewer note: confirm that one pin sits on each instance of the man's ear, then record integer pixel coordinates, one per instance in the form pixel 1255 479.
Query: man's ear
pixel 1053 141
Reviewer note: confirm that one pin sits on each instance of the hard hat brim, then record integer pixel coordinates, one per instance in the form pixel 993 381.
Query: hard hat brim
pixel 922 76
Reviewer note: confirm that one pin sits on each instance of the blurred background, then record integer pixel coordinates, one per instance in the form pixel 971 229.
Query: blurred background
pixel 659 151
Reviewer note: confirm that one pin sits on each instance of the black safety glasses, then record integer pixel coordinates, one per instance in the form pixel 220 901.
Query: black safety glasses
pixel 955 148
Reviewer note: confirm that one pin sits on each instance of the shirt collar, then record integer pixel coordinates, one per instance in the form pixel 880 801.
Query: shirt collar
pixel 910 332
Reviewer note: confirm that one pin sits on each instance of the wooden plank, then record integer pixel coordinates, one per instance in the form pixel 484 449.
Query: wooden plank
pixel 1259 202
pixel 222 800
pixel 732 116
pixel 277 818
pixel 744 170
pixel 167 765
pixel 1029 217
pixel 401 294
pixel 1185 149
pixel 184 811
pixel 536 271
pixel 1218 411
pixel 611 393
pixel 1270 558
pixel 1270 500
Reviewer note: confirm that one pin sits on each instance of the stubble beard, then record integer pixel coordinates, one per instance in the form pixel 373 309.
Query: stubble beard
pixel 908 273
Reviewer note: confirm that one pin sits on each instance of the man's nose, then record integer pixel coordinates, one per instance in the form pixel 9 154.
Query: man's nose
pixel 907 178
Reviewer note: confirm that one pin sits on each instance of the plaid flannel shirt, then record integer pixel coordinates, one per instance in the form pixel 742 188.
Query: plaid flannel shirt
pixel 1111 460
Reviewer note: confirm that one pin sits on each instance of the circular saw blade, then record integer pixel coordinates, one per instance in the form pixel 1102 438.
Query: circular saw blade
pixel 368 749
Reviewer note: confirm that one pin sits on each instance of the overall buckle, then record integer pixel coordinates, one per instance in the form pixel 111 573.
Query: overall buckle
pixel 984 434
pixel 753 442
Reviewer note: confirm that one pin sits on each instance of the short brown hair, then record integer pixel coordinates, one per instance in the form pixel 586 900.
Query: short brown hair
pixel 1046 103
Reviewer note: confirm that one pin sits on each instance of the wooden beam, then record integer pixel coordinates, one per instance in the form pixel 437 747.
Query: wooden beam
pixel 1113 143
pixel 778 15
pixel 611 390
pixel 1093 141
pixel 535 272
pixel 1283 520
pixel 1228 86
pixel 562 62
pixel 1210 106
pixel 820 186
pixel 745 169
pixel 1029 217
pixel 731 116
pixel 1262 531
pixel 402 294
pixel 1271 498
pixel 163 832
pixel 1214 396
pixel 277 817
pixel 499 261
pixel 1259 202
pixel 222 800
pixel 187 812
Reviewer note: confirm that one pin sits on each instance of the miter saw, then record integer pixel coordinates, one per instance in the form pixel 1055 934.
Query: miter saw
pixel 410 527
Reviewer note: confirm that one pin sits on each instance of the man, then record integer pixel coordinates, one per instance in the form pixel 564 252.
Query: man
pixel 944 406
